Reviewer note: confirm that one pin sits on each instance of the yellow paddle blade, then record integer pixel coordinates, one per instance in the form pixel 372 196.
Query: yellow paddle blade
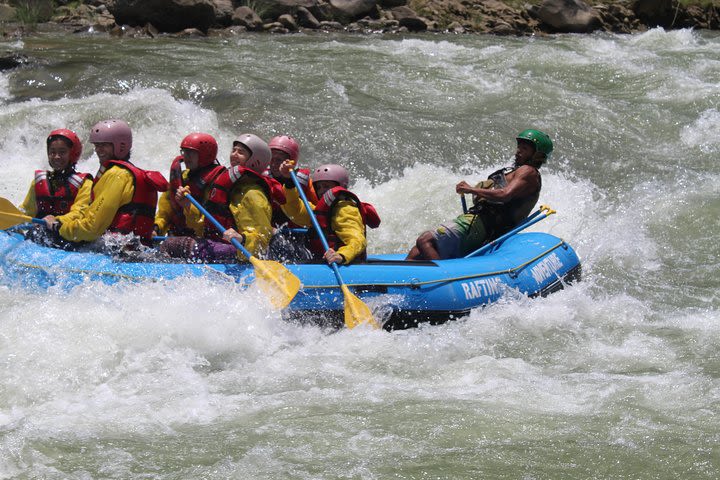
pixel 10 215
pixel 276 281
pixel 356 312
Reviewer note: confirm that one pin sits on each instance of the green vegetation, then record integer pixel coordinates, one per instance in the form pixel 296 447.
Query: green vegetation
pixel 702 3
pixel 32 12
pixel 260 8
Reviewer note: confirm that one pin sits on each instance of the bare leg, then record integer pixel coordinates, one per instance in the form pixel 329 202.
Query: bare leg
pixel 424 249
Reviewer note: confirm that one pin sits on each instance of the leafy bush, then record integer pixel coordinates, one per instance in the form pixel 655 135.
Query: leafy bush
pixel 32 12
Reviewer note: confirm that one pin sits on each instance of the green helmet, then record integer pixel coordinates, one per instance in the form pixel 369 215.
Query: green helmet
pixel 541 140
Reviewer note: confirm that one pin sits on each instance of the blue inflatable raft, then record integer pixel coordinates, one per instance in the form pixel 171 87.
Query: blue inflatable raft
pixel 534 264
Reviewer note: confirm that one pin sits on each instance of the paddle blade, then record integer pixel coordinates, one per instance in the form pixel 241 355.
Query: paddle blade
pixel 10 215
pixel 276 281
pixel 356 312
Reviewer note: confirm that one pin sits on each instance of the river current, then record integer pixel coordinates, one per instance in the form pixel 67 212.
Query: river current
pixel 616 377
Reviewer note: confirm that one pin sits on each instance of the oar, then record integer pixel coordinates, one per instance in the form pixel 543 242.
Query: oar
pixel 273 278
pixel 356 312
pixel 463 202
pixel 11 216
pixel 541 214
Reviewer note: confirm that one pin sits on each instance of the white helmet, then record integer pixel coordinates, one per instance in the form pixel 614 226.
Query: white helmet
pixel 260 153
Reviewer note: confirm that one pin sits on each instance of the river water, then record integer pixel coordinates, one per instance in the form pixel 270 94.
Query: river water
pixel 616 377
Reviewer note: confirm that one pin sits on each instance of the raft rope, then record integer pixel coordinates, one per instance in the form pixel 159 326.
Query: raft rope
pixel 418 284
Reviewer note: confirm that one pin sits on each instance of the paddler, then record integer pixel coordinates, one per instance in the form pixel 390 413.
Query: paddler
pixel 125 196
pixel 61 192
pixel 288 243
pixel 240 198
pixel 499 203
pixel 176 215
pixel 341 215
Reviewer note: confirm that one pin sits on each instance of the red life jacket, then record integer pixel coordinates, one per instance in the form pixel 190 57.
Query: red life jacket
pixel 138 216
pixel 278 216
pixel 323 211
pixel 58 200
pixel 198 180
pixel 218 202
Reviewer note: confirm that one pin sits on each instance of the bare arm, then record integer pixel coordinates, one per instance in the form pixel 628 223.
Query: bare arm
pixel 522 182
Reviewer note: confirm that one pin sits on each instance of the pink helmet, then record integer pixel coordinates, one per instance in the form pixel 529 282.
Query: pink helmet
pixel 286 144
pixel 260 153
pixel 204 144
pixel 70 136
pixel 116 132
pixel 333 173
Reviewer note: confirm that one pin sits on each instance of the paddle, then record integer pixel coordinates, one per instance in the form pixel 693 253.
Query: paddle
pixel 11 216
pixel 542 213
pixel 272 277
pixel 356 312
pixel 463 202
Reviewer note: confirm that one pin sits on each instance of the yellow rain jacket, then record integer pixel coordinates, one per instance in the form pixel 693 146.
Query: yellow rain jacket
pixel 194 220
pixel 345 220
pixel 252 211
pixel 114 189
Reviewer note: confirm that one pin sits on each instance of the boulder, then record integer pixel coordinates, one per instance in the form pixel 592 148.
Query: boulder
pixel 246 17
pixel 654 13
pixel 13 60
pixel 351 10
pixel 569 16
pixel 329 25
pixel 306 19
pixel 388 4
pixel 223 12
pixel 288 22
pixel 271 9
pixel 407 18
pixel 166 15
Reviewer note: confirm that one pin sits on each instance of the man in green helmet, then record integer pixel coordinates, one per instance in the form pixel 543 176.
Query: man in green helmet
pixel 499 203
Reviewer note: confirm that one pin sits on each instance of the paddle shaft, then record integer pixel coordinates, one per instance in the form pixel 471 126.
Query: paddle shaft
pixel 531 220
pixel 218 225
pixel 463 202
pixel 315 224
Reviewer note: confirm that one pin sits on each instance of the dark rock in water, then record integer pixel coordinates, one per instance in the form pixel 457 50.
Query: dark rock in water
pixel 307 19
pixel 654 13
pixel 351 10
pixel 246 17
pixel 8 62
pixel 166 15
pixel 406 17
pixel 569 16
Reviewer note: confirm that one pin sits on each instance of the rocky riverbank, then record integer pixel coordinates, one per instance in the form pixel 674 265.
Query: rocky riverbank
pixel 230 17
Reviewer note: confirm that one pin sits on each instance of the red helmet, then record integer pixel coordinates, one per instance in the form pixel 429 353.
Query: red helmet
pixel 260 153
pixel 333 173
pixel 286 144
pixel 204 144
pixel 116 132
pixel 70 136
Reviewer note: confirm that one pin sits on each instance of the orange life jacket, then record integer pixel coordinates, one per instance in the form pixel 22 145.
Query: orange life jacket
pixel 56 196
pixel 323 211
